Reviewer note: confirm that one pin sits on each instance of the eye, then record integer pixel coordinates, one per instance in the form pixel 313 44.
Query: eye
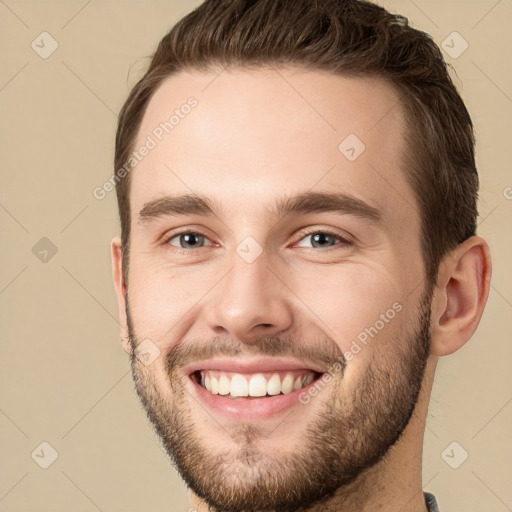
pixel 323 240
pixel 188 240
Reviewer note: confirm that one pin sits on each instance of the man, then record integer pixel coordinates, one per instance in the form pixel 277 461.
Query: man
pixel 297 192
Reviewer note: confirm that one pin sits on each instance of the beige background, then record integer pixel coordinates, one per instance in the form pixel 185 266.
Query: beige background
pixel 64 376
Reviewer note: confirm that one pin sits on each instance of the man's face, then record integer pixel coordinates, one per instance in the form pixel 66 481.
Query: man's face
pixel 277 283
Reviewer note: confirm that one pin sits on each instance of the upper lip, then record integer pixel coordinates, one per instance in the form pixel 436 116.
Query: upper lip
pixel 251 365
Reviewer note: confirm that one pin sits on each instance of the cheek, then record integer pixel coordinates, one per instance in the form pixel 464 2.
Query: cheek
pixel 354 303
pixel 162 298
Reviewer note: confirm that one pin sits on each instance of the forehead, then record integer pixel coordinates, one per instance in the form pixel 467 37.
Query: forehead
pixel 245 137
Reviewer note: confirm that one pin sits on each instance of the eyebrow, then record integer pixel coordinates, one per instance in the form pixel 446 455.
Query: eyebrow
pixel 303 203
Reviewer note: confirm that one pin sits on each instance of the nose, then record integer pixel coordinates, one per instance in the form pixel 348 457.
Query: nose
pixel 251 301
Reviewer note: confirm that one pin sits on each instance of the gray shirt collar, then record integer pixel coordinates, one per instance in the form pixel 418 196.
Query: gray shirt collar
pixel 431 502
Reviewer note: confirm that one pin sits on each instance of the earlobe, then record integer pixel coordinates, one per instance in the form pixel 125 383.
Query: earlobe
pixel 460 295
pixel 119 284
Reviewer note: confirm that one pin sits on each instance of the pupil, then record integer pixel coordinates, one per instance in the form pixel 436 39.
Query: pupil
pixel 321 238
pixel 188 238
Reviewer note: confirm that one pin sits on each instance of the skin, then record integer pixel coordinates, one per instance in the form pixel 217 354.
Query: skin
pixel 253 138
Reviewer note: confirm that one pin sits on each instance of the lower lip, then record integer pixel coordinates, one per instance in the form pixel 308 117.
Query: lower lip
pixel 249 408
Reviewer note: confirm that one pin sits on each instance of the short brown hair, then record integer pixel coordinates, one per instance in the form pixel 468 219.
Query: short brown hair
pixel 345 37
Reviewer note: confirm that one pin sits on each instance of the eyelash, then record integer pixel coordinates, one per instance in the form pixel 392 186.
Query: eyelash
pixel 344 243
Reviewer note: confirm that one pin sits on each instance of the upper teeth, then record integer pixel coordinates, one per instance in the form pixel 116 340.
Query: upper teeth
pixel 258 384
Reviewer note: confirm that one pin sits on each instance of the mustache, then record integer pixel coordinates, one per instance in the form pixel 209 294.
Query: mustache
pixel 324 352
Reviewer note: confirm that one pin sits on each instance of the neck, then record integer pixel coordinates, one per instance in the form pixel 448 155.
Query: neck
pixel 392 485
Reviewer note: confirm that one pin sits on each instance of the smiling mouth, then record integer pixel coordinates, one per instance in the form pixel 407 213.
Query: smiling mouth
pixel 246 386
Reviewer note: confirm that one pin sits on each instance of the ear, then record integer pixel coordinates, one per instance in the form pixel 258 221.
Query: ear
pixel 460 295
pixel 117 274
